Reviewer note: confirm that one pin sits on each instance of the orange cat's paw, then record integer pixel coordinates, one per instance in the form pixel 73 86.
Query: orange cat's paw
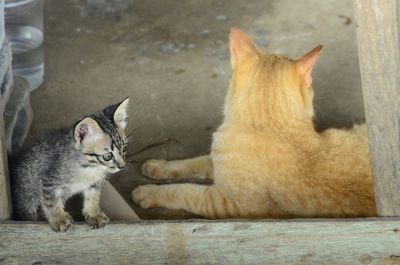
pixel 146 196
pixel 154 169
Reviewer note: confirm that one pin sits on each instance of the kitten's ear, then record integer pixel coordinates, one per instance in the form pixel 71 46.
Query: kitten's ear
pixel 118 113
pixel 241 47
pixel 305 64
pixel 87 131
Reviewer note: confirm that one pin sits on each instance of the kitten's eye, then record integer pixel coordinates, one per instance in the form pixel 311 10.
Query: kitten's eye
pixel 108 156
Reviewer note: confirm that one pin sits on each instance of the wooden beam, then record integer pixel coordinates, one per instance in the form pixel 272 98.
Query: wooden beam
pixel 377 27
pixel 311 241
pixel 5 197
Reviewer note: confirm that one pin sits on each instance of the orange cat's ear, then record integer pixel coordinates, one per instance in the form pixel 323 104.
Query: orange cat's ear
pixel 241 46
pixel 305 64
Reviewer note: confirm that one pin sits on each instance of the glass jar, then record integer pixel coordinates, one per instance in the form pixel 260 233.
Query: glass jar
pixel 24 31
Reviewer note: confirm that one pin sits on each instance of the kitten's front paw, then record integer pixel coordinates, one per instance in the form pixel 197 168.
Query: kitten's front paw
pixel 61 222
pixel 97 220
pixel 154 169
pixel 146 196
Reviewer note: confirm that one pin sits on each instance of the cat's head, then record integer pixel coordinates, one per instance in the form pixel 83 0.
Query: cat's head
pixel 101 137
pixel 266 86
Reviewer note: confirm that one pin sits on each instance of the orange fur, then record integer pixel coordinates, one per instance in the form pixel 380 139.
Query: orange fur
pixel 266 160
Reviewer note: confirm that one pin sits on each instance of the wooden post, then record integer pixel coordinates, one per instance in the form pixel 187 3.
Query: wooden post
pixel 377 27
pixel 5 197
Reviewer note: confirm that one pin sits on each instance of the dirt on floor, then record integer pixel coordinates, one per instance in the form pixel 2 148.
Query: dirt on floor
pixel 171 58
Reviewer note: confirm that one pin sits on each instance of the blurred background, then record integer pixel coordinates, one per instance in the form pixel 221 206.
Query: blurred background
pixel 171 58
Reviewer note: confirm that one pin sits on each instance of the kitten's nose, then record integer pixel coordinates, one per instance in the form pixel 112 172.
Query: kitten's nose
pixel 121 164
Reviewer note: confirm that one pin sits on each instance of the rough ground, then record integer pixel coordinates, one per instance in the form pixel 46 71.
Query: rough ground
pixel 171 58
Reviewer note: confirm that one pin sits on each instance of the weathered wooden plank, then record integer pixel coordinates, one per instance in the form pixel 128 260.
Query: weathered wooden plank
pixel 377 27
pixel 5 197
pixel 5 201
pixel 312 241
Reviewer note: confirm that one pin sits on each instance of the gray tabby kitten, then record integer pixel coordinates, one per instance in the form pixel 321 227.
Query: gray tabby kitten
pixel 69 161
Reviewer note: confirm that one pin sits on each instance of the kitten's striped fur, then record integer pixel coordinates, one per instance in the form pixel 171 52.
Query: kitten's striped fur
pixel 67 161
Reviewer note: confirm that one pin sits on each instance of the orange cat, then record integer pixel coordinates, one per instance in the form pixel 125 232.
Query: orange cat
pixel 266 160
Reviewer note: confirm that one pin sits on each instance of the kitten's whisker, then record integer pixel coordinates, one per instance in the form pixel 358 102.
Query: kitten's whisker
pixel 319 109
pixel 166 140
pixel 129 130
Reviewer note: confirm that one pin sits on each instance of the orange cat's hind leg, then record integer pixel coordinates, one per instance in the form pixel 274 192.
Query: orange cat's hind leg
pixel 206 201
pixel 200 167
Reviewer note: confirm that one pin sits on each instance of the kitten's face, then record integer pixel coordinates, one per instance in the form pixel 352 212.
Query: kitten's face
pixel 265 84
pixel 102 140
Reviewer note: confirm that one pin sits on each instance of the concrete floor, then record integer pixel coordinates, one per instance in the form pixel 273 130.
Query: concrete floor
pixel 171 58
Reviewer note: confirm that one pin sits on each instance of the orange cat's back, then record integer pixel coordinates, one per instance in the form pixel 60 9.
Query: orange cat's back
pixel 324 175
